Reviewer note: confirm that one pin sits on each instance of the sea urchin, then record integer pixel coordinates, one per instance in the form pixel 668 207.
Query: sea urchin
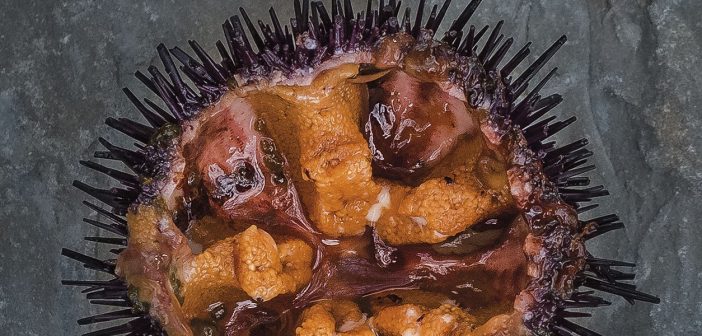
pixel 351 173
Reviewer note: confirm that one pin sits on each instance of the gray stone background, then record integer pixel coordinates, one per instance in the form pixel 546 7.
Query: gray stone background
pixel 630 72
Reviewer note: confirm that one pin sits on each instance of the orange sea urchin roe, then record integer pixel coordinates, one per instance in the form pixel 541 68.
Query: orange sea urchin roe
pixel 253 262
pixel 333 318
pixel 260 268
pixel 442 207
pixel 333 153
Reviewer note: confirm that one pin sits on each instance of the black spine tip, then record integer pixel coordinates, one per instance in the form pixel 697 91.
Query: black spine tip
pixel 111 316
pixel 467 13
pixel 436 22
pixel 538 64
pixel 89 262
pixel 118 199
pixel 258 41
pixel 107 240
pixel 418 19
pixel 127 179
pixel 491 42
pixel 132 129
pixel 517 59
pixel 154 119
pixel 567 328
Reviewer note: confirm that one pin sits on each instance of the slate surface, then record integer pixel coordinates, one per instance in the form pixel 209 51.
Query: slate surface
pixel 630 72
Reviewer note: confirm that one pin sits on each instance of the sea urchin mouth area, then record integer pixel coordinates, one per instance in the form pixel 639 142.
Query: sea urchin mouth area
pixel 278 206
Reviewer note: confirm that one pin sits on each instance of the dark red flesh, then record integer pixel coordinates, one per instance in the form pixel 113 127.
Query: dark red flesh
pixel 411 125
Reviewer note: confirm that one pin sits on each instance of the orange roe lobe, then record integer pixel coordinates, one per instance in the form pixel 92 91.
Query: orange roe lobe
pixel 253 262
pixel 296 258
pixel 333 153
pixel 214 266
pixel 260 266
pixel 333 318
pixel 438 209
pixel 210 277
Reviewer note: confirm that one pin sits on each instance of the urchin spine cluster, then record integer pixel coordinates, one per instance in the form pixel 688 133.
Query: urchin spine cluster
pixel 312 37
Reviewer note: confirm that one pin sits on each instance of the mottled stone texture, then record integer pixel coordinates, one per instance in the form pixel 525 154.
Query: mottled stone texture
pixel 630 73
